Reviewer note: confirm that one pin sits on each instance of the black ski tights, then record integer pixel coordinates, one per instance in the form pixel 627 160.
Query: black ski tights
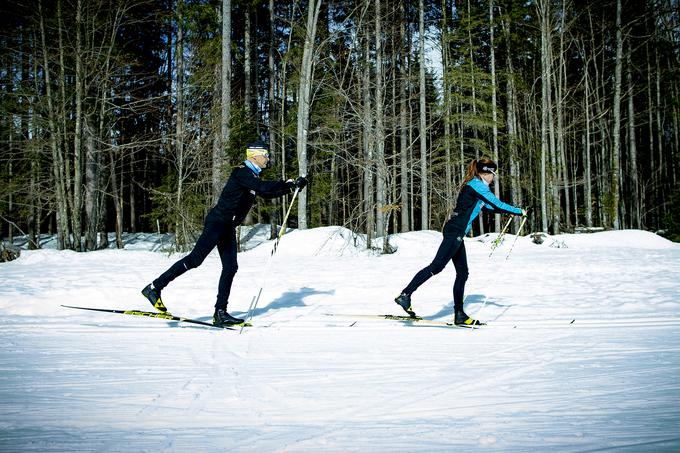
pixel 452 248
pixel 214 234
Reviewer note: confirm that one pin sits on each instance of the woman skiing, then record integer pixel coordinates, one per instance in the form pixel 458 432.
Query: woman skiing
pixel 473 197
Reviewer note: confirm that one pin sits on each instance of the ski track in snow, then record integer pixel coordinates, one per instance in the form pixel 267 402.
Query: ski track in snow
pixel 301 381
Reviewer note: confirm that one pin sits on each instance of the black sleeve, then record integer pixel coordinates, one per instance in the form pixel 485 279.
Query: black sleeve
pixel 265 189
pixel 492 209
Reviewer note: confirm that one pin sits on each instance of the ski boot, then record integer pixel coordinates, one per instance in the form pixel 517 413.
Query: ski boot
pixel 462 319
pixel 222 318
pixel 154 296
pixel 404 301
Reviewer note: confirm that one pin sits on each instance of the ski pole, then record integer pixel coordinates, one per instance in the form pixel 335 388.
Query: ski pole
pixel 519 231
pixel 499 239
pixel 256 299
pixel 481 310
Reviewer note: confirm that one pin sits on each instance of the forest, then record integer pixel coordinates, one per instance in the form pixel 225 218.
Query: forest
pixel 127 115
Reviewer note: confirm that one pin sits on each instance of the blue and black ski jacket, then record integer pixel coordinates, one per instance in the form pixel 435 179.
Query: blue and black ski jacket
pixel 473 197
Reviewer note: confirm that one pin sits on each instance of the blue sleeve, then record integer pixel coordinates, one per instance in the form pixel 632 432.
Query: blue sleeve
pixel 491 203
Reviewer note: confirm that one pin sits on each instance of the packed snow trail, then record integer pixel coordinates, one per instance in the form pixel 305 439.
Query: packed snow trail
pixel 302 381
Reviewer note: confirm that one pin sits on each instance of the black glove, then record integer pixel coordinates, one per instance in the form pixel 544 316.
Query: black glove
pixel 527 211
pixel 290 184
pixel 300 182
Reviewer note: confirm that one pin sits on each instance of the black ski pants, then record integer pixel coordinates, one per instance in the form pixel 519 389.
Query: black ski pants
pixel 452 248
pixel 215 233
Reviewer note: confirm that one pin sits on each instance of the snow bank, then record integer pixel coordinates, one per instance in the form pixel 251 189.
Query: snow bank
pixel 323 241
pixel 638 239
pixel 416 243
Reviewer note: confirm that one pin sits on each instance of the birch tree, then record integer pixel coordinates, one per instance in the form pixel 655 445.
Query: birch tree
pixel 225 106
pixel 63 230
pixel 616 148
pixel 381 167
pixel 180 230
pixel 304 103
pixel 544 15
pixel 424 195
pixel 368 145
pixel 635 202
pixel 404 143
pixel 494 107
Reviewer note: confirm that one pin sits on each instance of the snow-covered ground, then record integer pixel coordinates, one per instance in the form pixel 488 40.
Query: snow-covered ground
pixel 299 380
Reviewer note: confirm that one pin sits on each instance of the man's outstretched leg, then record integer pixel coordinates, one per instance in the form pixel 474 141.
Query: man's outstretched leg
pixel 206 242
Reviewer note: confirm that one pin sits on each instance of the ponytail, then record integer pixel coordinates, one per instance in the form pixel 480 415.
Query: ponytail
pixel 471 173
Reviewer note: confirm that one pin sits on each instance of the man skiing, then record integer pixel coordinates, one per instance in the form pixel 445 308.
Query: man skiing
pixel 219 229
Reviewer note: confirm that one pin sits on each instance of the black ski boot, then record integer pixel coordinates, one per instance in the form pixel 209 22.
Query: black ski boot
pixel 404 301
pixel 153 295
pixel 462 319
pixel 222 318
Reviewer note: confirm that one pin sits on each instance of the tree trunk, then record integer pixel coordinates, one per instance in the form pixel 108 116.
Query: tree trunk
pixel 10 174
pixel 404 144
pixel 76 205
pixel 424 202
pixel 600 151
pixel 132 193
pixel 615 169
pixel 221 157
pixel 368 144
pixel 63 232
pixel 304 103
pixel 494 113
pixel 283 94
pixel 271 114
pixel 555 205
pixel 544 13
pixel 181 237
pixel 563 172
pixel 650 134
pixel 635 201
pixel 64 134
pixel 92 187
pixel 381 167
pixel 587 170
pixel 217 154
pixel 445 37
pixel 248 62
pixel 516 194
pixel 662 179
pixel 394 121
pixel 117 201
pixel 473 89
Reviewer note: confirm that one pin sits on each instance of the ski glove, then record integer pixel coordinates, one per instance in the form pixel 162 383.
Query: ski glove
pixel 526 212
pixel 290 184
pixel 300 182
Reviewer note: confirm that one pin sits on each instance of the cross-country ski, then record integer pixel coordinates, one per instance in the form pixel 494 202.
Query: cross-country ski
pixel 159 315
pixel 403 319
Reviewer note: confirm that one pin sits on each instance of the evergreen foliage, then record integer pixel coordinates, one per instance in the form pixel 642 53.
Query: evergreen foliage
pixel 95 134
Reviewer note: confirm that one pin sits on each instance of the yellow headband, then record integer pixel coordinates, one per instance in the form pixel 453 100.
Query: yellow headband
pixel 252 152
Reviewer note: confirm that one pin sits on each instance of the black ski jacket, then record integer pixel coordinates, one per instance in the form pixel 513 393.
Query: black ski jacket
pixel 239 193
